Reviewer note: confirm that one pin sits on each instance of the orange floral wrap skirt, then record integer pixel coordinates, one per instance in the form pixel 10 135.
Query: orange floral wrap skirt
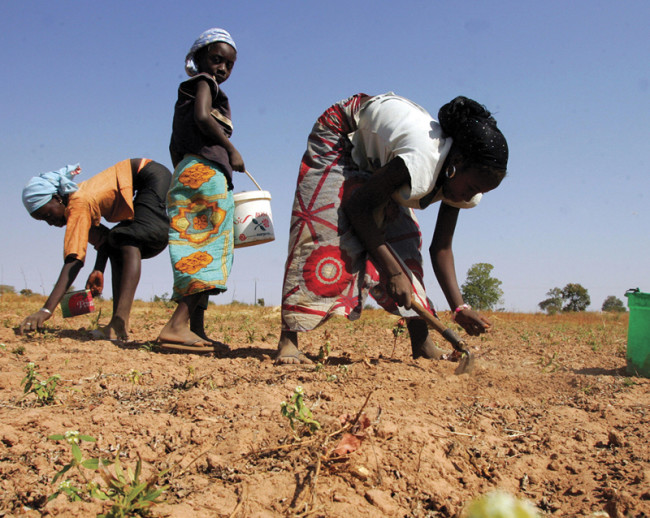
pixel 200 209
pixel 328 272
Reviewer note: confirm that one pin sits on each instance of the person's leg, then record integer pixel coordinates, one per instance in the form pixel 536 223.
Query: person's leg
pixel 177 330
pixel 197 318
pixel 125 273
pixel 288 352
pixel 421 344
pixel 325 266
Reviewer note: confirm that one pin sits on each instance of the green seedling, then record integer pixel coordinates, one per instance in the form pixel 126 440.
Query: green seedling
pixel 297 412
pixel 324 352
pixel 135 377
pixel 128 495
pixel 43 390
pixel 398 329
pixel 94 320
pixel 124 491
pixel 73 438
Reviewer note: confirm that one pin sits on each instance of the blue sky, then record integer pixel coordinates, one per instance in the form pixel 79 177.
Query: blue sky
pixel 568 82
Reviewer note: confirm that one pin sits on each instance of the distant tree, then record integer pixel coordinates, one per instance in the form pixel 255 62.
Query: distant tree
pixel 480 290
pixel 576 297
pixel 573 297
pixel 553 304
pixel 26 292
pixel 161 298
pixel 613 304
pixel 5 288
pixel 260 302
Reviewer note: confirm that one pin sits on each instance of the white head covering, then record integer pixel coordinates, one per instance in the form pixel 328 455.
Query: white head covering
pixel 206 38
pixel 40 189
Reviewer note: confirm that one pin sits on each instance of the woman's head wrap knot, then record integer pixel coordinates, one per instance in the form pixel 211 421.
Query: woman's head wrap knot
pixel 475 132
pixel 40 189
pixel 206 38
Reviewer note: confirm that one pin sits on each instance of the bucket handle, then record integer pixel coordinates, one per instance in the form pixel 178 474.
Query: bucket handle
pixel 251 177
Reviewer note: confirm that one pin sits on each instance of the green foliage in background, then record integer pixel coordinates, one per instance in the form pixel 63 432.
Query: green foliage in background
pixel 614 304
pixel 573 297
pixel 481 290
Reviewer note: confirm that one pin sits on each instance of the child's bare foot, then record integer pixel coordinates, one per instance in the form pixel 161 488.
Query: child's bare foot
pixel 202 334
pixel 288 352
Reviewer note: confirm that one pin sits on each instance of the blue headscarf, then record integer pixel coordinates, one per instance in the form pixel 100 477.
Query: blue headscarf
pixel 40 189
pixel 206 38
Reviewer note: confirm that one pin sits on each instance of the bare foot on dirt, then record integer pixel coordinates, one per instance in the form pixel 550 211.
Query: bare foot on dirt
pixel 116 330
pixel 421 344
pixel 182 337
pixel 110 333
pixel 288 352
pixel 429 350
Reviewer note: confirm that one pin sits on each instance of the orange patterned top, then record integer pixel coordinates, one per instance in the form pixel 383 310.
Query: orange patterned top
pixel 108 194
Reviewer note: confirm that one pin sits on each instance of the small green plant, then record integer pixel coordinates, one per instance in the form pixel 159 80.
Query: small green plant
pixel 94 320
pixel 127 494
pixel 135 377
pixel 191 380
pixel 18 351
pixel 324 352
pixel 297 412
pixel 43 390
pixel 551 364
pixel 323 355
pixel 227 334
pixel 398 329
pixel 73 438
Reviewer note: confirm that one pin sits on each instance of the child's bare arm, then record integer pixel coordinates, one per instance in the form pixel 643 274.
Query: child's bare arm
pixel 210 127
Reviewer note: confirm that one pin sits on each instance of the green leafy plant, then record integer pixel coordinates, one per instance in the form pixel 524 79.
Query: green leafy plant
pixel 324 352
pixel 124 490
pixel 43 390
pixel 128 494
pixel 73 438
pixel 135 377
pixel 296 412
pixel 323 355
pixel 94 320
pixel 398 329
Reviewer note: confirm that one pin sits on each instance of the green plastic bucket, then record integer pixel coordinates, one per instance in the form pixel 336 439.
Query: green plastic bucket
pixel 638 333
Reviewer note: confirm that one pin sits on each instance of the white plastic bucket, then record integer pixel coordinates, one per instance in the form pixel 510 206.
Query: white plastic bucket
pixel 253 220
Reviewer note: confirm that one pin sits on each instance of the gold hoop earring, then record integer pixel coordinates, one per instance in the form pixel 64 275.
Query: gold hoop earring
pixel 451 174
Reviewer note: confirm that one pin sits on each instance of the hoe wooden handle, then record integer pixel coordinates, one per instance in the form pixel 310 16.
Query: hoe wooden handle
pixel 435 324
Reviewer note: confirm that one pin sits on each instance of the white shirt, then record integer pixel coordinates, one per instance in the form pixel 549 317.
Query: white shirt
pixel 390 126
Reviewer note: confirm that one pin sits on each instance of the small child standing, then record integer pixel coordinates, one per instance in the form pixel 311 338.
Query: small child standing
pixel 200 201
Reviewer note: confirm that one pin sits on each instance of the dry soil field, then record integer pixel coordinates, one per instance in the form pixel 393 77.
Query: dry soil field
pixel 549 415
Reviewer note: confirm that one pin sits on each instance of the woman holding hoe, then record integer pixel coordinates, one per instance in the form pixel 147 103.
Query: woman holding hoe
pixel 369 162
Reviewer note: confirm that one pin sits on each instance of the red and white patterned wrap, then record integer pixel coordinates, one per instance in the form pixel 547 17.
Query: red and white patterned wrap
pixel 328 272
